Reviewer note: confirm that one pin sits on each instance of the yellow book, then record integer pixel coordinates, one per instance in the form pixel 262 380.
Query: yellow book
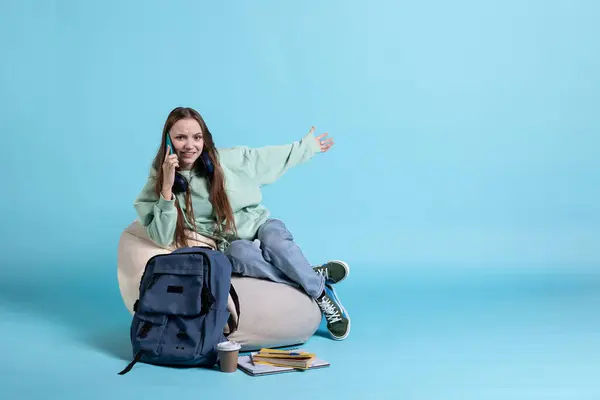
pixel 285 357
pixel 284 354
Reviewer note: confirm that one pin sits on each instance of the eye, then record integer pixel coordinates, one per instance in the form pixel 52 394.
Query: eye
pixel 198 137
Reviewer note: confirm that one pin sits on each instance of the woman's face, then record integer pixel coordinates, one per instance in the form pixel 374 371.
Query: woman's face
pixel 186 136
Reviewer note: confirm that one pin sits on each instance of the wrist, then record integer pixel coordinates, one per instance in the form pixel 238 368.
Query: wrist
pixel 167 193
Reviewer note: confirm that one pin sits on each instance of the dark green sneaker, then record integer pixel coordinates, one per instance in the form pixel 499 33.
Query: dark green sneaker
pixel 334 271
pixel 338 320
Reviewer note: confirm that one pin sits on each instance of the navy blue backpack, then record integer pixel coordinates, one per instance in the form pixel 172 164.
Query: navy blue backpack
pixel 182 311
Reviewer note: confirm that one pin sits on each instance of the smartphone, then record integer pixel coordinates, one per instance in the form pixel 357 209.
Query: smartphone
pixel 169 143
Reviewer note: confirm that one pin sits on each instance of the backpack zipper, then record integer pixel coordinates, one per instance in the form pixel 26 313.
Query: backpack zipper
pixel 207 297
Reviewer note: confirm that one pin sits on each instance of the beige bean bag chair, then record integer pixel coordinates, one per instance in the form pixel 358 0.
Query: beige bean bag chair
pixel 271 314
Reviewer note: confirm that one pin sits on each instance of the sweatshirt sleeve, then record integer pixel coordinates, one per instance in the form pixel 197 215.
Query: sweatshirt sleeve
pixel 157 214
pixel 265 165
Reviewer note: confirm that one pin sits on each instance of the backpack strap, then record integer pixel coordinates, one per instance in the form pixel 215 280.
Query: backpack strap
pixel 232 322
pixel 131 364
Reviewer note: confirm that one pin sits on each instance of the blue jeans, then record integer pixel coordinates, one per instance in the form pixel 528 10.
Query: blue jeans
pixel 273 255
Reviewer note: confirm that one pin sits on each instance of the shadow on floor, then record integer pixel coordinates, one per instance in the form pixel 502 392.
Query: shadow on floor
pixel 114 343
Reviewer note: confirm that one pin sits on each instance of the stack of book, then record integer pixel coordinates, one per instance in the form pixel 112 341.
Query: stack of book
pixel 284 358
pixel 271 361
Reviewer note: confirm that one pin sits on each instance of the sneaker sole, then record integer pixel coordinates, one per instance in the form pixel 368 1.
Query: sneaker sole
pixel 339 303
pixel 346 267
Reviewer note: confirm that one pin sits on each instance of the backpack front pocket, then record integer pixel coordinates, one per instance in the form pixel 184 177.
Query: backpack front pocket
pixel 181 338
pixel 147 332
pixel 174 294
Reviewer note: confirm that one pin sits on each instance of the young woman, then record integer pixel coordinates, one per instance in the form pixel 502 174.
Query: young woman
pixel 216 193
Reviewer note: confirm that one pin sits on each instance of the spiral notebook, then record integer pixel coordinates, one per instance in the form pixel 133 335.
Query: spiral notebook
pixel 245 364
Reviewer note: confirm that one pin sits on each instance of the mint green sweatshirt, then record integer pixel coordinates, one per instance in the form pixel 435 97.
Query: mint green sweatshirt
pixel 246 170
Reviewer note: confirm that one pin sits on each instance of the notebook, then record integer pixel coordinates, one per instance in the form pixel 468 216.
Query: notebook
pixel 245 364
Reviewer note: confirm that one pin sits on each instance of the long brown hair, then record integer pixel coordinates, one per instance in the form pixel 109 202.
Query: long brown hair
pixel 222 212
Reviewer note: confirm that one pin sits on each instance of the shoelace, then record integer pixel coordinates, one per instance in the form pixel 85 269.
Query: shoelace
pixel 324 272
pixel 332 314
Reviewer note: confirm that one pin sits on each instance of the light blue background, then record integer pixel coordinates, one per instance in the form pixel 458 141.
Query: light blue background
pixel 466 133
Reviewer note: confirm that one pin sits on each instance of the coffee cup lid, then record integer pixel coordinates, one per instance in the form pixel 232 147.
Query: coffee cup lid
pixel 228 346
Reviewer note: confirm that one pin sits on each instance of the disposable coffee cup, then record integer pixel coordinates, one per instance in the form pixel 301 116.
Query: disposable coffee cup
pixel 228 355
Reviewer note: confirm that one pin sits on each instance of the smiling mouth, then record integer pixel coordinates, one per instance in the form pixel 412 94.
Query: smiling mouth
pixel 188 154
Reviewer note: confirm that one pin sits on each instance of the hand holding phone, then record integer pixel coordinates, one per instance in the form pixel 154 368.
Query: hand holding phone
pixel 170 165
